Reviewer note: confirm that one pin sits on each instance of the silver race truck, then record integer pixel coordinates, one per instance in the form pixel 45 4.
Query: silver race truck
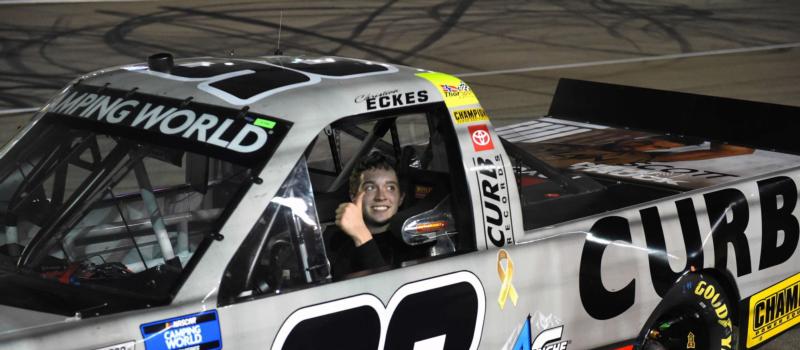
pixel 188 204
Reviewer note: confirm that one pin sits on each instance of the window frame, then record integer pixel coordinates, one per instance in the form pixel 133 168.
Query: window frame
pixel 229 294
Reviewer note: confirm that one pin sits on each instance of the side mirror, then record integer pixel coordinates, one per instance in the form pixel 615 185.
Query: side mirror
pixel 430 226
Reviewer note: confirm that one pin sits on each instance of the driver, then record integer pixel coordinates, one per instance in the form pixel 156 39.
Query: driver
pixel 365 241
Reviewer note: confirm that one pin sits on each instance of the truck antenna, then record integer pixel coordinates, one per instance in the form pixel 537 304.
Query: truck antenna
pixel 278 51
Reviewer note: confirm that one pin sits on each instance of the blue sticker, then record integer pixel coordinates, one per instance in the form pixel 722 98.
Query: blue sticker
pixel 199 331
pixel 524 338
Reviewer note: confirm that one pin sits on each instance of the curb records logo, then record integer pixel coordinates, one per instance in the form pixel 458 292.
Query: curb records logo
pixel 481 140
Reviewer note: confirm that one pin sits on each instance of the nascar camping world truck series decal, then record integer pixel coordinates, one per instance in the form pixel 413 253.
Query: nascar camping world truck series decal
pixel 200 331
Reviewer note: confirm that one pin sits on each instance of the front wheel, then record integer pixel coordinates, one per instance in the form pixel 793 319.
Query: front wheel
pixel 696 314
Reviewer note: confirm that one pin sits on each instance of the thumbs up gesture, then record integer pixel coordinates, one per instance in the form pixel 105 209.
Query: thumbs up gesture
pixel 350 218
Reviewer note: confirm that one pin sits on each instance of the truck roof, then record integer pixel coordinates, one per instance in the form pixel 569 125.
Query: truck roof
pixel 294 88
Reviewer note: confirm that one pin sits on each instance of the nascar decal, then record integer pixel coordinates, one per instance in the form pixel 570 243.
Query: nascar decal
pixel 455 92
pixel 481 139
pixel 495 207
pixel 199 330
pixel 470 115
pixel 729 214
pixel 210 127
pixel 773 310
pixel 442 312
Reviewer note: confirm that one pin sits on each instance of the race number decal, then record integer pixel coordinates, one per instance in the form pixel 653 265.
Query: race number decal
pixel 241 82
pixel 446 312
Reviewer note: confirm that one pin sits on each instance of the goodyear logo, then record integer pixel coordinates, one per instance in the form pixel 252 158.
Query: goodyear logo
pixel 470 115
pixel 710 294
pixel 774 310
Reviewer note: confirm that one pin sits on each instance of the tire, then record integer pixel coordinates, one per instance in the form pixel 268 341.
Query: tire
pixel 695 314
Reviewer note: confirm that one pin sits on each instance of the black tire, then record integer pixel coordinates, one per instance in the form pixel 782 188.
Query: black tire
pixel 695 314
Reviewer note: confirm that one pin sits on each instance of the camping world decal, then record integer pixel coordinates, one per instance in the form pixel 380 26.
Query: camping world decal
pixel 239 134
pixel 197 331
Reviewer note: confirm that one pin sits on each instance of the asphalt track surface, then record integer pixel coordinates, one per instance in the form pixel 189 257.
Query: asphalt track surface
pixel 510 52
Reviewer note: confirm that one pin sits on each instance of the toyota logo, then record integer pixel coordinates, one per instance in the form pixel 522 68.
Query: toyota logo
pixel 481 137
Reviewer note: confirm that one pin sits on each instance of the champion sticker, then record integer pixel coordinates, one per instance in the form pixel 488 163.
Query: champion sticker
pixel 481 140
pixel 774 310
pixel 198 331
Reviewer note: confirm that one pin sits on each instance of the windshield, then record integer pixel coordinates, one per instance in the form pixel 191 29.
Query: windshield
pixel 95 220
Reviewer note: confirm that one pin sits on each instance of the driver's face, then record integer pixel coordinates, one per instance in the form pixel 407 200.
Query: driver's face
pixel 382 196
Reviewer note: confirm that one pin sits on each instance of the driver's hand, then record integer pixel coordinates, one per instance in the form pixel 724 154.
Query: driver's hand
pixel 350 218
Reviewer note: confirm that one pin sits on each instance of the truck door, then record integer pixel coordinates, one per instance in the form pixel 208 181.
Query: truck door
pixel 281 271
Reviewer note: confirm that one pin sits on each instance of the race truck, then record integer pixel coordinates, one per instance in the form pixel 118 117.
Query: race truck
pixel 188 203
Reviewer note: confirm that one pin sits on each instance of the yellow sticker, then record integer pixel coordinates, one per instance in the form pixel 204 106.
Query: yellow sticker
pixel 455 92
pixel 507 289
pixel 774 310
pixel 470 115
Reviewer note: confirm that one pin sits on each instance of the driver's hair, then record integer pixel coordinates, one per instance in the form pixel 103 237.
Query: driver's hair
pixel 375 160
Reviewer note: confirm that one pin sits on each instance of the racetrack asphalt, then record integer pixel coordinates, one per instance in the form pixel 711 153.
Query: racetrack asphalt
pixel 510 52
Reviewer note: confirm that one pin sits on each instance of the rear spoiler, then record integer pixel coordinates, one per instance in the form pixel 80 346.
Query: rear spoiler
pixel 746 123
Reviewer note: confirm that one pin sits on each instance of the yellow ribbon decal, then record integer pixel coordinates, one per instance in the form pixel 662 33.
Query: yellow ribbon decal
pixel 506 288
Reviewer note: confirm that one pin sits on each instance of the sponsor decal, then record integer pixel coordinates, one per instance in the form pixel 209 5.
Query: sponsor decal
pixel 178 123
pixel 493 193
pixel 481 139
pixel 549 339
pixel 131 345
pixel 774 310
pixel 392 99
pixel 470 115
pixel 444 312
pixel 729 212
pixel 199 330
pixel 711 295
pixel 625 171
pixel 506 273
pixel 455 92
pixel 671 170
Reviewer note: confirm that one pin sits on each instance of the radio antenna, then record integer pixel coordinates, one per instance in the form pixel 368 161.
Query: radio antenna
pixel 278 51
